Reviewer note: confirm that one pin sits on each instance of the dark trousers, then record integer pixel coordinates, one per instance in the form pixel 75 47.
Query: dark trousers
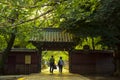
pixel 60 68
pixel 51 68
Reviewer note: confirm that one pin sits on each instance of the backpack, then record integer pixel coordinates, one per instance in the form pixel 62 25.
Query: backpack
pixel 60 62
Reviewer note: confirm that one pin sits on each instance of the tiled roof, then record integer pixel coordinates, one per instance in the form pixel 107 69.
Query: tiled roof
pixel 51 35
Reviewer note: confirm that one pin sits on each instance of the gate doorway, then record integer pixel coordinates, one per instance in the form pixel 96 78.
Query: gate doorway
pixel 52 39
pixel 45 61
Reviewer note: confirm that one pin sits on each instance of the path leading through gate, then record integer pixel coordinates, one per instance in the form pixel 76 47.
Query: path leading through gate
pixel 45 75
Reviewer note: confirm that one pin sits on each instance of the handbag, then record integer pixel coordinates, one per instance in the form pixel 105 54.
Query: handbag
pixel 55 67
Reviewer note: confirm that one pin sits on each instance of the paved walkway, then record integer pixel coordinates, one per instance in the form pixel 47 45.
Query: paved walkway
pixel 45 75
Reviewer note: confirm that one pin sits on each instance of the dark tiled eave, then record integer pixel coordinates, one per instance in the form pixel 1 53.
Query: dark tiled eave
pixel 52 35
pixel 52 39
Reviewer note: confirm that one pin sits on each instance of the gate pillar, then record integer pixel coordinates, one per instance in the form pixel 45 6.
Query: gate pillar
pixel 39 65
pixel 70 61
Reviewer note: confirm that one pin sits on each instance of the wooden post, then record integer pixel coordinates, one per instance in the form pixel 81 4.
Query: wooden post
pixel 70 59
pixel 39 64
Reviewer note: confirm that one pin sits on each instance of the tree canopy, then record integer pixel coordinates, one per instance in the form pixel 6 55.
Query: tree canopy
pixel 83 18
pixel 101 20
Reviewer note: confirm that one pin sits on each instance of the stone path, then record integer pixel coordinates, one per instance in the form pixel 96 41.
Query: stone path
pixel 45 75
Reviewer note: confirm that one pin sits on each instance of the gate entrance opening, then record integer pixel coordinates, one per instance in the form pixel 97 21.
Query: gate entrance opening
pixel 46 57
pixel 52 39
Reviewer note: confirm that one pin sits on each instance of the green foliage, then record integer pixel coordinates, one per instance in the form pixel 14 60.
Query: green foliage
pixel 47 54
pixel 106 17
pixel 30 46
pixel 83 18
pixel 88 41
pixel 2 43
pixel 99 20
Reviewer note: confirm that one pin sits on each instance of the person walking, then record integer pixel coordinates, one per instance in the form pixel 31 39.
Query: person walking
pixel 60 64
pixel 52 63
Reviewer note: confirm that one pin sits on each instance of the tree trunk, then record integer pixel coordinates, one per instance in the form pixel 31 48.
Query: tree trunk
pixel 7 50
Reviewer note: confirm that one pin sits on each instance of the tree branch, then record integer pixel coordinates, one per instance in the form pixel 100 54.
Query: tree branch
pixel 33 18
pixel 22 22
